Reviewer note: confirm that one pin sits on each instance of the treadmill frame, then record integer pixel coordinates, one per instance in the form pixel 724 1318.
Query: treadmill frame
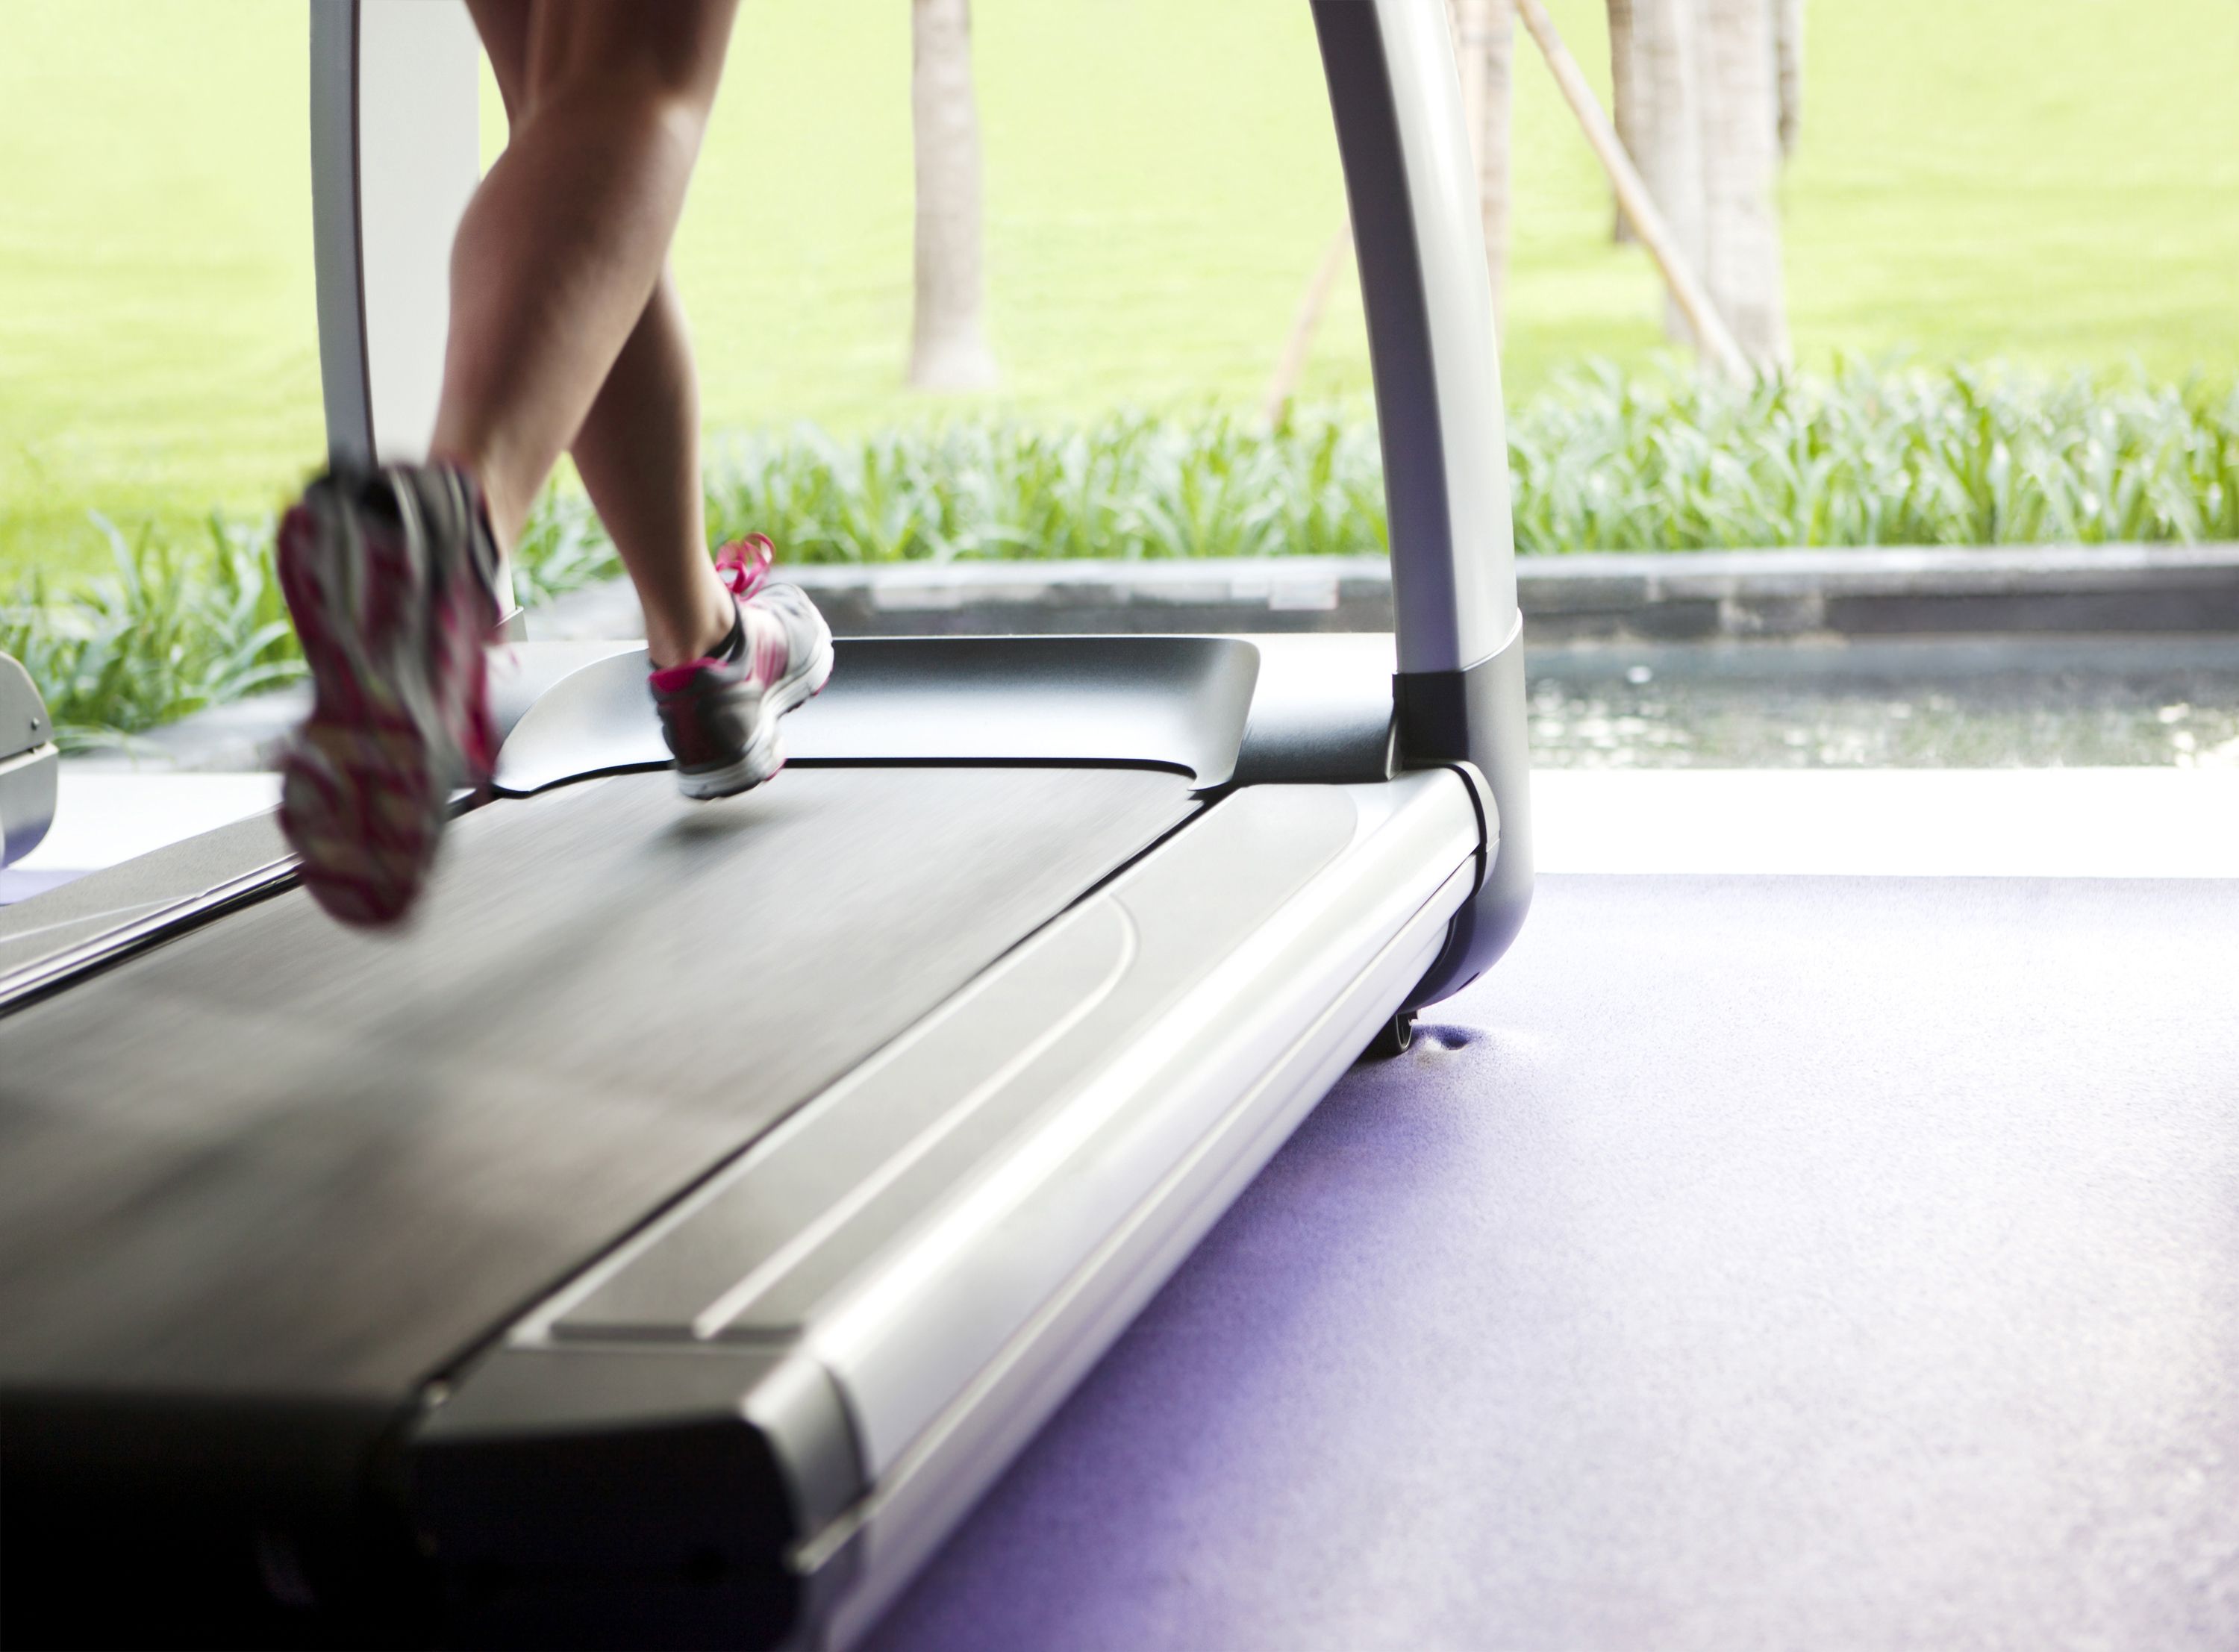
pixel 1456 700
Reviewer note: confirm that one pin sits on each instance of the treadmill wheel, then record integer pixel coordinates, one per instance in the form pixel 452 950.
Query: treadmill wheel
pixel 1392 1039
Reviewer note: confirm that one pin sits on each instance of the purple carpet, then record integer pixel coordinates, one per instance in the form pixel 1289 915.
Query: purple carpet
pixel 1744 1264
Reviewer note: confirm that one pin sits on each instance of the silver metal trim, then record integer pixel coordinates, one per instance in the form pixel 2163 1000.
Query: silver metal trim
pixel 915 1323
pixel 883 1540
pixel 56 969
pixel 718 1315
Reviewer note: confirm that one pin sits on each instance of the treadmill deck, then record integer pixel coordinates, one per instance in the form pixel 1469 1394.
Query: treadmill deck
pixel 275 1156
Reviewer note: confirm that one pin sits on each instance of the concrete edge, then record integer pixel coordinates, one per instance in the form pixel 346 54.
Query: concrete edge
pixel 1825 596
pixel 1650 597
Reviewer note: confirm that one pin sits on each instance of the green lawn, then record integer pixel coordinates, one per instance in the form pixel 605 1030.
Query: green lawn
pixel 2051 180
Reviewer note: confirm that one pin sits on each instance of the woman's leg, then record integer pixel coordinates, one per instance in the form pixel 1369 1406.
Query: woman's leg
pixel 638 453
pixel 638 447
pixel 561 324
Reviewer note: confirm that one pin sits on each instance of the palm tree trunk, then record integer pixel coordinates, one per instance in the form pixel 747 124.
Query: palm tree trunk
pixel 1740 156
pixel 1787 55
pixel 1493 147
pixel 1685 291
pixel 948 342
pixel 1626 92
pixel 1485 52
pixel 1467 19
pixel 1670 124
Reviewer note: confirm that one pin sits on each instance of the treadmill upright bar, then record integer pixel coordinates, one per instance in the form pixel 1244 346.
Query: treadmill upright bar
pixel 1395 98
pixel 395 154
pixel 1459 694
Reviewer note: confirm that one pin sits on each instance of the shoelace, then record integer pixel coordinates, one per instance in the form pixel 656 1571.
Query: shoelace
pixel 745 563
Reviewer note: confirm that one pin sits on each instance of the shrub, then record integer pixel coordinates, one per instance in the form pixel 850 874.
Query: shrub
pixel 1953 456
pixel 174 628
pixel 1861 456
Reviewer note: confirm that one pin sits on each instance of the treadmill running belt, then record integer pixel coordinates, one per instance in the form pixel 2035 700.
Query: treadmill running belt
pixel 273 1156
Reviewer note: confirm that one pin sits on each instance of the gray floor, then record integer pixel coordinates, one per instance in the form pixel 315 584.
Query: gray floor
pixel 1746 1263
pixel 275 1153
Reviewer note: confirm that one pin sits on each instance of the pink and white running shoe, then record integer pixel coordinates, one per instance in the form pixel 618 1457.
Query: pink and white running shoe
pixel 720 714
pixel 392 579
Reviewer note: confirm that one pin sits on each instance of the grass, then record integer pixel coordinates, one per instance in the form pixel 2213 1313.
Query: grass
pixel 2051 181
pixel 1603 461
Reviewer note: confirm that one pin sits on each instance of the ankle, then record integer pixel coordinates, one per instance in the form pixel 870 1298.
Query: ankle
pixel 702 638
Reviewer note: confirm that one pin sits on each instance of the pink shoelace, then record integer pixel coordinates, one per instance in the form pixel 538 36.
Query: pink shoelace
pixel 742 566
pixel 745 563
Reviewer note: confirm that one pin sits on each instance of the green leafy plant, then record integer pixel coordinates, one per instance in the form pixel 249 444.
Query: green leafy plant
pixel 173 627
pixel 1860 456
pixel 1865 456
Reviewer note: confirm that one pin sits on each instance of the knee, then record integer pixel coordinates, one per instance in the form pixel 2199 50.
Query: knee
pixel 678 115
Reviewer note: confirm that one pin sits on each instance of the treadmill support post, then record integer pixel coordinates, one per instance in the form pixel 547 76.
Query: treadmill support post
pixel 1396 98
pixel 396 154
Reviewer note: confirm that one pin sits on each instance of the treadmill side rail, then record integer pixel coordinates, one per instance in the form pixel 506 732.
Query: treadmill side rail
pixel 1213 1000
pixel 975 1438
pixel 954 1231
pixel 51 940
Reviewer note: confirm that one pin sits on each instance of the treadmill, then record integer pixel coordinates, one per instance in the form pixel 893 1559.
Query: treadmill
pixel 667 1236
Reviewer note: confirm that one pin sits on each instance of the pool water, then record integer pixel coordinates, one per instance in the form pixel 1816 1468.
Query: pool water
pixel 2002 703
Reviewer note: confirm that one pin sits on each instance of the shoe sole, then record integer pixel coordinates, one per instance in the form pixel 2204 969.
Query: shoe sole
pixel 365 788
pixel 765 752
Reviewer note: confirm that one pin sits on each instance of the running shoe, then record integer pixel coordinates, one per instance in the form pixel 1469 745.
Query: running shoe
pixel 720 714
pixel 391 577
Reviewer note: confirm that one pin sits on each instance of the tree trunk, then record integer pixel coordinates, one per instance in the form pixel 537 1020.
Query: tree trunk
pixel 1626 91
pixel 1787 55
pixel 1670 127
pixel 1493 150
pixel 949 344
pixel 1740 155
pixel 1685 289
pixel 1467 19
pixel 1485 43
